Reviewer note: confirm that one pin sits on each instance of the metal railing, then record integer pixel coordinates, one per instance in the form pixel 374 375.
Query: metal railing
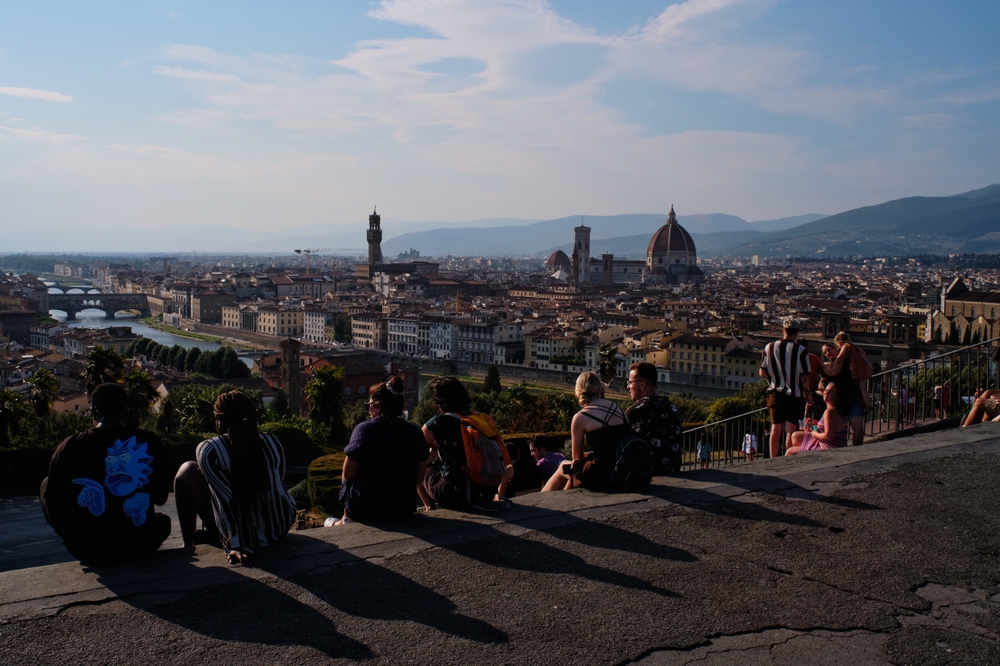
pixel 915 393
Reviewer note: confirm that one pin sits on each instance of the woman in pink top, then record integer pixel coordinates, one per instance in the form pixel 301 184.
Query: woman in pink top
pixel 829 433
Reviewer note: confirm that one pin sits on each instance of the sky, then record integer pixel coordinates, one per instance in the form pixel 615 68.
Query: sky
pixel 260 115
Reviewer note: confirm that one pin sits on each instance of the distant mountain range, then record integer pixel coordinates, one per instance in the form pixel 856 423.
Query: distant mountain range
pixel 606 234
pixel 968 222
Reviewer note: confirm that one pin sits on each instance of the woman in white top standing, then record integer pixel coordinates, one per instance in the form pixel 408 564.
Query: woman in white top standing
pixel 601 424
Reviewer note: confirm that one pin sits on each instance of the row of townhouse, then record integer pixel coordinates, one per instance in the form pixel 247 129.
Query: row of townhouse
pixel 483 337
pixel 77 342
pixel 286 321
pixel 728 362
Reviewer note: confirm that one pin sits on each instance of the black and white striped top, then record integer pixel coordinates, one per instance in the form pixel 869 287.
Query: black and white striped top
pixel 785 362
pixel 247 533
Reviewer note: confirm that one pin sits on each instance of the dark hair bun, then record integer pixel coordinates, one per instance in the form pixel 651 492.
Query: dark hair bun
pixel 395 384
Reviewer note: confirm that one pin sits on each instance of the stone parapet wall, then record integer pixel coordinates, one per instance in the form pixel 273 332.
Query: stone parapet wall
pixel 263 339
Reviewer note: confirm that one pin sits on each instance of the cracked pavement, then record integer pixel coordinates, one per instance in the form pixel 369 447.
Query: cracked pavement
pixel 885 554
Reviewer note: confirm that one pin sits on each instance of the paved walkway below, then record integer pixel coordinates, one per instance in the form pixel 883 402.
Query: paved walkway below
pixel 886 553
pixel 27 540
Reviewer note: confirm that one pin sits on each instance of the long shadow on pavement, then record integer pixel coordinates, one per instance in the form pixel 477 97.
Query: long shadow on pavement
pixel 231 607
pixel 360 588
pixel 463 537
pixel 722 504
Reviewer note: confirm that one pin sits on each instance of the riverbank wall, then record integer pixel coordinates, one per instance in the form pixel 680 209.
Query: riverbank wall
pixel 517 373
pixel 523 373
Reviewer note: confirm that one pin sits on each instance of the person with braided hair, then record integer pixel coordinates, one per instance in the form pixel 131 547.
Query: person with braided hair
pixel 386 457
pixel 239 475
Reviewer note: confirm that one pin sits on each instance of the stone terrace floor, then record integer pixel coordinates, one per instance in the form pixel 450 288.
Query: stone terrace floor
pixel 886 553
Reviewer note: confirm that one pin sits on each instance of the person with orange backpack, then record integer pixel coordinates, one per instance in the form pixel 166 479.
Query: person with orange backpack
pixel 469 464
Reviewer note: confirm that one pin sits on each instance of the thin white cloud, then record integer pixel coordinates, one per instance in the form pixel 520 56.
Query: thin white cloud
pixel 36 135
pixel 147 150
pixel 31 93
pixel 198 75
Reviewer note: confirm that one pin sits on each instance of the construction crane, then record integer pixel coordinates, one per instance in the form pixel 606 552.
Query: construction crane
pixel 311 252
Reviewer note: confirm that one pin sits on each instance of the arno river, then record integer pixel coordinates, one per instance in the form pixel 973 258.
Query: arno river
pixel 97 319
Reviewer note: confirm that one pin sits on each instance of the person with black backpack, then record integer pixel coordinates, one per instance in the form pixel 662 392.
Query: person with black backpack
pixel 619 459
pixel 469 464
pixel 654 418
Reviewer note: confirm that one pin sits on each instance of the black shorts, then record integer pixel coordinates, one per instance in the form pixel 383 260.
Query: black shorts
pixel 785 408
pixel 456 493
pixel 595 476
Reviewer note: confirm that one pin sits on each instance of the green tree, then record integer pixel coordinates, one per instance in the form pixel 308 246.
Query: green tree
pixel 277 410
pixel 192 358
pixel 755 394
pixel 953 334
pixel 141 345
pixel 608 363
pixel 167 420
pixel 12 412
pixel 325 393
pixel 178 355
pixel 342 328
pixel 232 367
pixel 355 412
pixel 425 409
pixel 163 357
pixel 725 408
pixel 215 363
pixel 103 365
pixel 44 391
pixel 140 396
pixel 492 382
pixel 691 409
pixel 201 365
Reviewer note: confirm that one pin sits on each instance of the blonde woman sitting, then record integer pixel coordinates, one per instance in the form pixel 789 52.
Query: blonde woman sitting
pixel 600 423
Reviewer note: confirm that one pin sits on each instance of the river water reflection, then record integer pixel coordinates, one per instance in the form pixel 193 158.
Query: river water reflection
pixel 97 319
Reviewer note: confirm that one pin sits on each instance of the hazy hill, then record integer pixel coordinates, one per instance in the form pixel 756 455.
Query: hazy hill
pixel 634 247
pixel 968 222
pixel 783 223
pixel 535 238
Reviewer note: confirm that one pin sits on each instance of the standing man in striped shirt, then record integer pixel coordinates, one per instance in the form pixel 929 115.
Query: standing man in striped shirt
pixel 785 366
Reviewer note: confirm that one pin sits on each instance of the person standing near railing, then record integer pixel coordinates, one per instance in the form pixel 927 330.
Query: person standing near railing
pixel 785 365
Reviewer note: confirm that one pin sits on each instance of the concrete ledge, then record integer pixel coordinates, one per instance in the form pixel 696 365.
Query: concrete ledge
pixel 45 590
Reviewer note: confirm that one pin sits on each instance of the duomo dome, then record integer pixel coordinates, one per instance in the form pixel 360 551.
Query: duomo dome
pixel 672 250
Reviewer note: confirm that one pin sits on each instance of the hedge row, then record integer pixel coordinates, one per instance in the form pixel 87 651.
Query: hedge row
pixel 299 447
pixel 323 481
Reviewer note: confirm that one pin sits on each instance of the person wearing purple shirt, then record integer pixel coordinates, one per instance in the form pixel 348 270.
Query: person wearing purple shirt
pixel 547 462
